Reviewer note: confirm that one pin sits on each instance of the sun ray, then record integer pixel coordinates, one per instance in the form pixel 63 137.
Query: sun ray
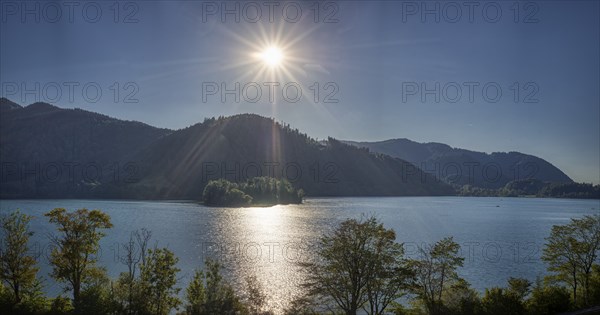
pixel 277 53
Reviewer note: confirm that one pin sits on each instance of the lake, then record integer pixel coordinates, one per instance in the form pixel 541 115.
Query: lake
pixel 500 237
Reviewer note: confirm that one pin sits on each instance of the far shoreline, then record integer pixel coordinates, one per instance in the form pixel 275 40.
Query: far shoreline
pixel 270 205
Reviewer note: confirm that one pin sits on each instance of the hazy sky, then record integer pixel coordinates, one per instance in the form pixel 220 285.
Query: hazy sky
pixel 375 58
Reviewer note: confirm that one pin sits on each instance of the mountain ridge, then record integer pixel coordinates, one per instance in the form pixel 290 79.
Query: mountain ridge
pixel 135 160
pixel 451 164
pixel 49 152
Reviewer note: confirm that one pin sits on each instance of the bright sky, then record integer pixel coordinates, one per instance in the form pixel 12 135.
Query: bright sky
pixel 385 62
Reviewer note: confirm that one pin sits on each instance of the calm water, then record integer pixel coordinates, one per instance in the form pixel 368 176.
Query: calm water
pixel 500 237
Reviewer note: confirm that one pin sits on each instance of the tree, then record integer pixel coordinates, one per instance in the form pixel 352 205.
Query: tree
pixel 500 301
pixel 61 305
pixel 507 301
pixel 236 197
pixel 208 293
pixel 358 265
pixel 559 253
pixel 17 266
pixel 519 287
pixel 434 272
pixel 196 294
pixel 96 298
pixel 571 251
pixel 159 277
pixel 128 285
pixel 595 285
pixel 548 299
pixel 224 193
pixel 73 257
pixel 587 234
pixel 461 299
pixel 220 297
pixel 389 273
pixel 6 300
pixel 32 301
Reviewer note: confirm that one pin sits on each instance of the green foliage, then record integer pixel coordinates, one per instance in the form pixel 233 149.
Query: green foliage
pixel 73 256
pixel 500 301
pixel 158 279
pixel 96 298
pixel 359 265
pixel 236 197
pixel 435 272
pixel 519 287
pixel 255 191
pixel 461 299
pixel 571 251
pixel 61 306
pixel 224 193
pixel 6 300
pixel 120 293
pixel 595 285
pixel 20 290
pixel 128 295
pixel 32 301
pixel 548 299
pixel 507 301
pixel 196 294
pixel 220 297
pixel 17 266
pixel 269 190
pixel 209 293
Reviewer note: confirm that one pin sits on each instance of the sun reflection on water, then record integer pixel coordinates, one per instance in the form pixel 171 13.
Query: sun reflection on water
pixel 265 242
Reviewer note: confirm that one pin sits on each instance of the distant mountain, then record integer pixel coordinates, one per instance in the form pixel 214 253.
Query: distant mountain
pixel 46 151
pixel 49 152
pixel 464 167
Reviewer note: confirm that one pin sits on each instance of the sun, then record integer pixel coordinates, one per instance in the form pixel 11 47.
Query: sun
pixel 272 56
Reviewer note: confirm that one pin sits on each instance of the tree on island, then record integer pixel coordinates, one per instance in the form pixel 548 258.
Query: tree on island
pixel 255 191
pixel 224 193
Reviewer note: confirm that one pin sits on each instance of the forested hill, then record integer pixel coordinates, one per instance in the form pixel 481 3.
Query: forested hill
pixel 249 145
pixel 465 167
pixel 49 152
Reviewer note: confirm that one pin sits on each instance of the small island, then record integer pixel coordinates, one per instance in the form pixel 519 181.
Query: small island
pixel 256 191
